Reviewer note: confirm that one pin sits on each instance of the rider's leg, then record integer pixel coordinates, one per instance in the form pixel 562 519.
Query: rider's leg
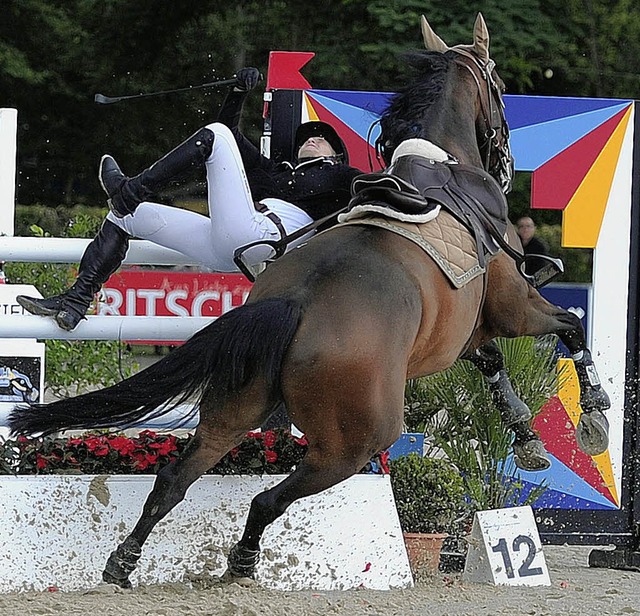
pixel 233 220
pixel 125 194
pixel 102 258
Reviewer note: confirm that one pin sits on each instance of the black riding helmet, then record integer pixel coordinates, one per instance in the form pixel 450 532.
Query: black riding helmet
pixel 321 129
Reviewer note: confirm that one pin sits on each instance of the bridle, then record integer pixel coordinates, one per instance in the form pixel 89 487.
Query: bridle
pixel 495 149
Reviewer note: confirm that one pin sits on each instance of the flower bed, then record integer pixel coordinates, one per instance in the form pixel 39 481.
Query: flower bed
pixel 270 452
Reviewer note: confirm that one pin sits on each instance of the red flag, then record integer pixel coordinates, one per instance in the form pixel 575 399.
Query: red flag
pixel 284 70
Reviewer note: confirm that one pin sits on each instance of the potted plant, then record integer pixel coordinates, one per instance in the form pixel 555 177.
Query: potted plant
pixel 430 499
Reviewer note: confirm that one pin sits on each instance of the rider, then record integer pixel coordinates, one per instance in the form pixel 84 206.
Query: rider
pixel 250 198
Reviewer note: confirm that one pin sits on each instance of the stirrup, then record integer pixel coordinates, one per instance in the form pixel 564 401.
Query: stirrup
pixel 543 275
pixel 274 249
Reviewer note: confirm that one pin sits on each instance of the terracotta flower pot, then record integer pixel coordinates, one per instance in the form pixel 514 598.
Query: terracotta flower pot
pixel 423 550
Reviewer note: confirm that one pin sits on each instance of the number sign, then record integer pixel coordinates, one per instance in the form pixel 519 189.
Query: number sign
pixel 505 548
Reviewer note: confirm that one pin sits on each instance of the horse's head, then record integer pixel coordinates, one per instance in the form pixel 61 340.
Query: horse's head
pixel 456 103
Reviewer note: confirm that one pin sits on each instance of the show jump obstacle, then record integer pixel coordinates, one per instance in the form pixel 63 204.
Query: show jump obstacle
pixel 584 157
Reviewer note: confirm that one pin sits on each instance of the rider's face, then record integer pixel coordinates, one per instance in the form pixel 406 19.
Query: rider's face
pixel 314 147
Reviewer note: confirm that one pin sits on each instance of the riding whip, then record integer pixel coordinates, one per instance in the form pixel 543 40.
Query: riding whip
pixel 101 99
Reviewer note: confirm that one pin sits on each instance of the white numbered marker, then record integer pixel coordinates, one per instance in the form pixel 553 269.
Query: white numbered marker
pixel 505 548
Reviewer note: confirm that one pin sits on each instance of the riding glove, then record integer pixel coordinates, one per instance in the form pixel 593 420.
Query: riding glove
pixel 246 79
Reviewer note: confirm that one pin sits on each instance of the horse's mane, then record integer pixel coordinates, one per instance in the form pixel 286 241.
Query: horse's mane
pixel 403 117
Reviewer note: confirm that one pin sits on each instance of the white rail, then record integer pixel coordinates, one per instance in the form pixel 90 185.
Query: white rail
pixel 70 250
pixel 104 328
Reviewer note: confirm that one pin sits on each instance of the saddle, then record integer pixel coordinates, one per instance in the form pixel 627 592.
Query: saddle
pixel 414 187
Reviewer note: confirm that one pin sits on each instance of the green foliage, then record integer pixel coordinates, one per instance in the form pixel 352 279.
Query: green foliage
pixel 454 408
pixel 72 365
pixel 429 494
pixel 55 55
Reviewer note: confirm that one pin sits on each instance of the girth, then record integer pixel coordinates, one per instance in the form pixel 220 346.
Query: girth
pixel 415 185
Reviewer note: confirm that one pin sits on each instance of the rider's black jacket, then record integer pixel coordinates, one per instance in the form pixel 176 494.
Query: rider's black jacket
pixel 318 186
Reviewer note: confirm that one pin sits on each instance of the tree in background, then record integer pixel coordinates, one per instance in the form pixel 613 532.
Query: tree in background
pixel 56 54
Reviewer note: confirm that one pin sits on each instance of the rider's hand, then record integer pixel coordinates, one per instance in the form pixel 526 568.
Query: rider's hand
pixel 247 79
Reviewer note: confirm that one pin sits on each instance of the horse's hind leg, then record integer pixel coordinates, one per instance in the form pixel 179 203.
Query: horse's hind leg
pixel 209 444
pixel 592 432
pixel 528 450
pixel 320 470
pixel 169 489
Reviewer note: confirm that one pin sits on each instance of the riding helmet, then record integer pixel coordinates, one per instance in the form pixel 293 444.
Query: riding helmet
pixel 321 129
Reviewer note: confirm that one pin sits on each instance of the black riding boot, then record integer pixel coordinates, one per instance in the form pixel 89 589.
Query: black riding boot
pixel 125 194
pixel 102 258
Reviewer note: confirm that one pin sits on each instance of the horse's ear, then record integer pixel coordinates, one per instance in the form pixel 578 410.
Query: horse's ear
pixel 481 38
pixel 431 40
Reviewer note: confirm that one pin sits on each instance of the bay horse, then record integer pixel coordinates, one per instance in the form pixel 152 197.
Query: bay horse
pixel 335 328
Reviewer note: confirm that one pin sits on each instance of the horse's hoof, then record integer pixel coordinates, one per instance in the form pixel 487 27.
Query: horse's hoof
pixel 531 456
pixel 229 578
pixel 592 433
pixel 121 582
pixel 241 562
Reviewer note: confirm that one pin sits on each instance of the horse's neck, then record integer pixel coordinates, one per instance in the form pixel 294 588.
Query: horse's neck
pixel 451 126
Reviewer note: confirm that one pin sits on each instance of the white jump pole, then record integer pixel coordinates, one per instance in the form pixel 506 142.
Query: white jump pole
pixel 8 131
pixel 70 250
pixel 104 328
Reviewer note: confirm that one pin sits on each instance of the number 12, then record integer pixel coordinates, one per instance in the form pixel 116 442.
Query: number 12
pixel 525 570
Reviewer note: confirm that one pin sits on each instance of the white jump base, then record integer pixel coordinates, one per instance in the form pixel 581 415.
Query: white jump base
pixel 59 531
pixel 130 329
pixel 70 250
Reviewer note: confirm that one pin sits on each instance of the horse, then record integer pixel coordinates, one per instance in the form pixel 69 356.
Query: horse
pixel 334 329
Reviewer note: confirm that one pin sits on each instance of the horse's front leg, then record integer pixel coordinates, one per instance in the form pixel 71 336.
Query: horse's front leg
pixel 528 450
pixel 592 432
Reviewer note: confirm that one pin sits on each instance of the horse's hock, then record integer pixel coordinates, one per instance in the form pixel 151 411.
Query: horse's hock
pixel 58 531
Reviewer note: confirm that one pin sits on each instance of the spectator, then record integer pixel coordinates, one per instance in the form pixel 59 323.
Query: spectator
pixel 531 244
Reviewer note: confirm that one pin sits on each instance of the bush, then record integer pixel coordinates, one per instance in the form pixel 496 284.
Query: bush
pixel 100 453
pixel 429 494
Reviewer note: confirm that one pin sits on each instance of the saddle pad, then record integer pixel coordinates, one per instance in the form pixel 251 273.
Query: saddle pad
pixel 444 239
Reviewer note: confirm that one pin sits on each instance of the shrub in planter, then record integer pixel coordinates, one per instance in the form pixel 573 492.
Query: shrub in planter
pixel 429 494
pixel 430 500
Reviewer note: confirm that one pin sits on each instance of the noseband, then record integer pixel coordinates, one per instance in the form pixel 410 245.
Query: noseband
pixel 498 161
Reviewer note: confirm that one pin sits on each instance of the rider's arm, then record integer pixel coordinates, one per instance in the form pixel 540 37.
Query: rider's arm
pixel 231 112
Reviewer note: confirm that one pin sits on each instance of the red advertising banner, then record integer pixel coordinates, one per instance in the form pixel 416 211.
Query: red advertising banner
pixel 172 293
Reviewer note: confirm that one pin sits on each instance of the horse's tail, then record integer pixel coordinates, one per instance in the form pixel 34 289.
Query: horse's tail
pixel 221 359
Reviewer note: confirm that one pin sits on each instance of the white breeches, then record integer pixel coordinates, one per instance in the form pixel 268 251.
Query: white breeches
pixel 232 222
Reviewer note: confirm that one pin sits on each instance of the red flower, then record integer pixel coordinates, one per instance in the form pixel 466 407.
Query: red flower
pixel 164 448
pixel 256 435
pixel 41 462
pixel 234 452
pixel 140 460
pixel 270 456
pixel 269 438
pixel 301 441
pixel 98 445
pixel 122 445
pixel 384 462
pixel 74 441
